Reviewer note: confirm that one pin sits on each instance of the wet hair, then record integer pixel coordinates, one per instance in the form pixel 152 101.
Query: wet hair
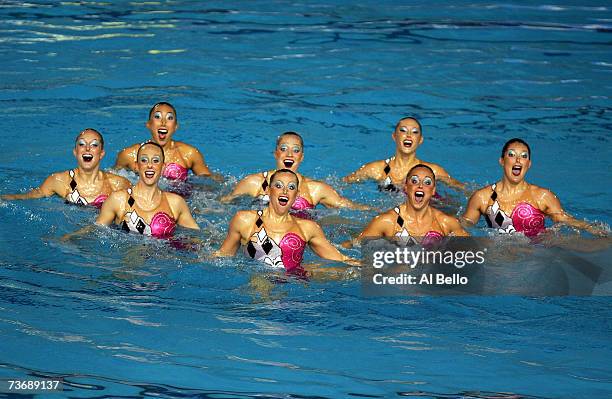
pixel 153 143
pixel 411 118
pixel 284 171
pixel 89 129
pixel 290 134
pixel 421 165
pixel 163 103
pixel 512 141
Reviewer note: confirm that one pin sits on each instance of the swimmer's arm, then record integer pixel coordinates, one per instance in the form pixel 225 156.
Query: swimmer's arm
pixel 127 159
pixel 553 208
pixel 54 184
pixel 249 186
pixel 378 227
pixel 181 211
pixel 473 210
pixel 443 176
pixel 323 193
pixel 452 227
pixel 321 246
pixel 368 171
pixel 110 209
pixel 232 240
pixel 199 167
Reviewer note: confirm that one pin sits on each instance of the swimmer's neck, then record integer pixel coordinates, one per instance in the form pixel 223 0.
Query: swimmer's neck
pixel 89 177
pixel 406 160
pixel 274 217
pixel 168 146
pixel 417 215
pixel 147 193
pixel 507 187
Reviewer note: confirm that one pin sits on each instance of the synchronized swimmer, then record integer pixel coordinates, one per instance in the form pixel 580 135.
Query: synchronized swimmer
pixel 415 221
pixel 391 172
pixel 180 157
pixel 512 204
pixel 84 185
pixel 276 235
pixel 289 154
pixel 145 208
pixel 273 235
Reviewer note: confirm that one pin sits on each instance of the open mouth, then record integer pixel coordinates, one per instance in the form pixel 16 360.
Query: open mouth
pixel 419 196
pixel 283 200
pixel 87 157
pixel 516 170
pixel 288 163
pixel 149 174
pixel 407 143
pixel 162 133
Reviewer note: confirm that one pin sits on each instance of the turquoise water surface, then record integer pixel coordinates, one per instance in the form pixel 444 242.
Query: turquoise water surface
pixel 119 315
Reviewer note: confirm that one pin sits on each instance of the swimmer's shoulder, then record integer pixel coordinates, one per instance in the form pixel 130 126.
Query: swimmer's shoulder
pixel 437 169
pixel 117 182
pixel 542 196
pixel 132 149
pixel 186 150
pixel 482 195
pixel 118 200
pixel 444 218
pixel 174 199
pixel 128 153
pixel 309 228
pixel 388 218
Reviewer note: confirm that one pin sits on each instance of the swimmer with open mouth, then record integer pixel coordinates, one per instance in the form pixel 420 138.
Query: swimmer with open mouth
pixel 513 205
pixel 180 157
pixel 289 154
pixel 274 236
pixel 415 221
pixel 84 185
pixel 390 172
pixel 145 208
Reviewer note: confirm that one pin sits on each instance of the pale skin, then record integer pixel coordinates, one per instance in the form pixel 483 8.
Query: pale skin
pixel 407 137
pixel 419 217
pixel 512 189
pixel 148 196
pixel 91 181
pixel 289 155
pixel 163 124
pixel 278 222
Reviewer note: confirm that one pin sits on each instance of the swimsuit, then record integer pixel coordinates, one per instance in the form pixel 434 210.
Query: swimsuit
pixel 75 198
pixel 300 203
pixel 286 254
pixel 162 225
pixel 387 184
pixel 174 171
pixel 524 218
pixel 405 239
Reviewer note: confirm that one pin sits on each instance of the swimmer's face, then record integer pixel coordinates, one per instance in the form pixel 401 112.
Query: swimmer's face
pixel 515 162
pixel 88 150
pixel 407 136
pixel 150 163
pixel 420 187
pixel 162 124
pixel 283 191
pixel 289 153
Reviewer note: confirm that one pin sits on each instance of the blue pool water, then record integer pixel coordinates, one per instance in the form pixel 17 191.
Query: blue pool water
pixel 121 316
